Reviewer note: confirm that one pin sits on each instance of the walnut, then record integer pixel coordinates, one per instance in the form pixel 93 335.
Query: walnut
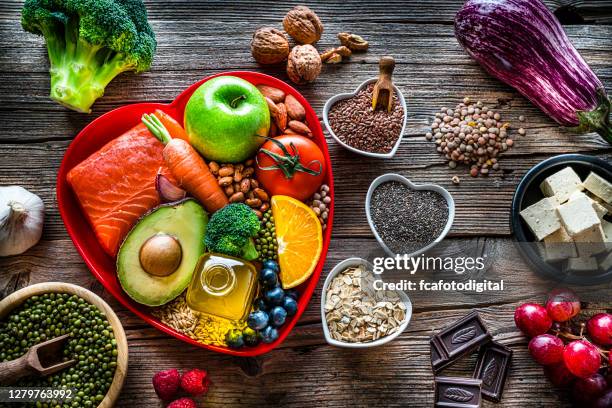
pixel 303 25
pixel 269 46
pixel 304 64
pixel 353 41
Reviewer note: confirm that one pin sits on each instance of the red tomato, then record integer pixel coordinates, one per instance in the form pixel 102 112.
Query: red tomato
pixel 296 169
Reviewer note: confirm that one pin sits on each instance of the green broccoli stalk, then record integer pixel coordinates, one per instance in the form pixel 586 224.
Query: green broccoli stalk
pixel 89 43
pixel 230 231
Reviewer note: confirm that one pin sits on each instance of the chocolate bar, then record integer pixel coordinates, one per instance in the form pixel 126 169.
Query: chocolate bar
pixel 492 368
pixel 454 392
pixel 457 340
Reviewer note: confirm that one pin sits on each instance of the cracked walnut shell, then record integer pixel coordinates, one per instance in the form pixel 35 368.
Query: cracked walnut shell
pixel 304 64
pixel 303 25
pixel 269 46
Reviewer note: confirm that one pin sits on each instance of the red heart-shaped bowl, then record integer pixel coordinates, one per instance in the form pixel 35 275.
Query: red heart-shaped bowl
pixel 116 122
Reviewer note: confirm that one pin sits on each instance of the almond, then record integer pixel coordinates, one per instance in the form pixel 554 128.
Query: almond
pixel 300 127
pixel 272 106
pixel 275 94
pixel 295 110
pixel 281 117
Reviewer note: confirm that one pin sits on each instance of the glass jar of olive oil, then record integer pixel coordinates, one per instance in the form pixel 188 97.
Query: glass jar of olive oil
pixel 222 286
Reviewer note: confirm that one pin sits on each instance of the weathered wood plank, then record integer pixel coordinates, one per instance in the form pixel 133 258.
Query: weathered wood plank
pixel 502 260
pixel 356 11
pixel 34 166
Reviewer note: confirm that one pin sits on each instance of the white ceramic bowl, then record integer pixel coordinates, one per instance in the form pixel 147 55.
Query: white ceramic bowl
pixel 427 187
pixel 335 271
pixel 330 102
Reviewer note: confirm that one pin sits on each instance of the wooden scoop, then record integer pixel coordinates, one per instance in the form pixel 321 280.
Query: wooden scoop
pixel 42 359
pixel 382 95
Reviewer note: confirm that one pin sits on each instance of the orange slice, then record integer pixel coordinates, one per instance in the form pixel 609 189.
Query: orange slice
pixel 300 239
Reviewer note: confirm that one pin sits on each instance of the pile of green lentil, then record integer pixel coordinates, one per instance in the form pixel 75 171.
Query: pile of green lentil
pixel 92 344
pixel 265 242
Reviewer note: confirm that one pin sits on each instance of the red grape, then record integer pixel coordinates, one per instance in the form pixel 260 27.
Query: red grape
pixel 587 390
pixel 562 304
pixel 609 377
pixel 605 401
pixel 546 349
pixel 532 319
pixel 600 329
pixel 559 375
pixel 582 358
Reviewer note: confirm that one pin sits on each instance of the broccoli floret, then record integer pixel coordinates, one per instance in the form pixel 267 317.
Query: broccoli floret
pixel 231 230
pixel 89 42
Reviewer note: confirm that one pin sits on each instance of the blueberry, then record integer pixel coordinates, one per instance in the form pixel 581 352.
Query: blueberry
pixel 269 334
pixel 278 316
pixel 271 265
pixel 234 339
pixel 268 277
pixel 290 305
pixel 251 337
pixel 292 293
pixel 257 320
pixel 260 304
pixel 274 296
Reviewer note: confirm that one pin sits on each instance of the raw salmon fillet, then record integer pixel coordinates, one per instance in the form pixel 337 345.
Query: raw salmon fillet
pixel 116 185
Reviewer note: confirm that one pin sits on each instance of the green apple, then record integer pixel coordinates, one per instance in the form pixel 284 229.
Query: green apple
pixel 225 119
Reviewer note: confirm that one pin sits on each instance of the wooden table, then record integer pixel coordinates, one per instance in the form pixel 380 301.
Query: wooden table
pixel 199 39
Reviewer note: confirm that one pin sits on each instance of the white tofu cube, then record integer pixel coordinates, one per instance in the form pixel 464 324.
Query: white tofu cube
pixel 542 217
pixel 562 184
pixel 606 263
pixel 581 264
pixel 578 216
pixel 599 186
pixel 559 245
pixel 601 202
pixel 590 242
pixel 599 209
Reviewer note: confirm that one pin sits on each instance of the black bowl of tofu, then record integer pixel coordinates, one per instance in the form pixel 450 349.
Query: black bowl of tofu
pixel 561 218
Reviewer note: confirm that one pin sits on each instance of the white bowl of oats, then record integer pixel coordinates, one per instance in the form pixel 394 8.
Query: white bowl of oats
pixel 356 312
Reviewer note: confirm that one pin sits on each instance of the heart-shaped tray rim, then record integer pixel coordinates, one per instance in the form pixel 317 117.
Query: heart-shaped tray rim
pixel 343 265
pixel 91 138
pixel 331 101
pixel 418 187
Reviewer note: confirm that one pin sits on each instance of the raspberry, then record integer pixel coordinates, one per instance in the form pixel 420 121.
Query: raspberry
pixel 166 384
pixel 195 382
pixel 183 403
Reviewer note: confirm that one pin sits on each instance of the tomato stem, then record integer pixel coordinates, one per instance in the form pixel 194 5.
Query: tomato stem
pixel 289 162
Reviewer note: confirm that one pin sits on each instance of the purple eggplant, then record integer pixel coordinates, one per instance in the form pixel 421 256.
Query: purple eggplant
pixel 522 43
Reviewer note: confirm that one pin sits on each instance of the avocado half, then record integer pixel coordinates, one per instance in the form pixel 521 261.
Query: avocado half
pixel 185 221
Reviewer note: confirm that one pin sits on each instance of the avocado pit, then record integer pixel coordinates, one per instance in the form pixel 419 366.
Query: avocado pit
pixel 161 255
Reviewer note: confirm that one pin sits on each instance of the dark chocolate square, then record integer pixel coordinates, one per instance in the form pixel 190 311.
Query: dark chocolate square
pixel 457 340
pixel 454 392
pixel 492 368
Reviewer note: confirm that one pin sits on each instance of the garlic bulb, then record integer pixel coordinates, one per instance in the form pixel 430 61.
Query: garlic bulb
pixel 21 220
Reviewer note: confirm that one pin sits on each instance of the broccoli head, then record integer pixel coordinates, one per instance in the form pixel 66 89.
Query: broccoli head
pixel 231 230
pixel 89 42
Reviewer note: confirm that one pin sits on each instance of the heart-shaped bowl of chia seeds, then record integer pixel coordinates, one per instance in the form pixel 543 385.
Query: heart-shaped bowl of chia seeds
pixel 408 218
pixel 350 120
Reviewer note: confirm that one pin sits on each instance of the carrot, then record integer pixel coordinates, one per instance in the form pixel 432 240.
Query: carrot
pixel 187 167
pixel 174 128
